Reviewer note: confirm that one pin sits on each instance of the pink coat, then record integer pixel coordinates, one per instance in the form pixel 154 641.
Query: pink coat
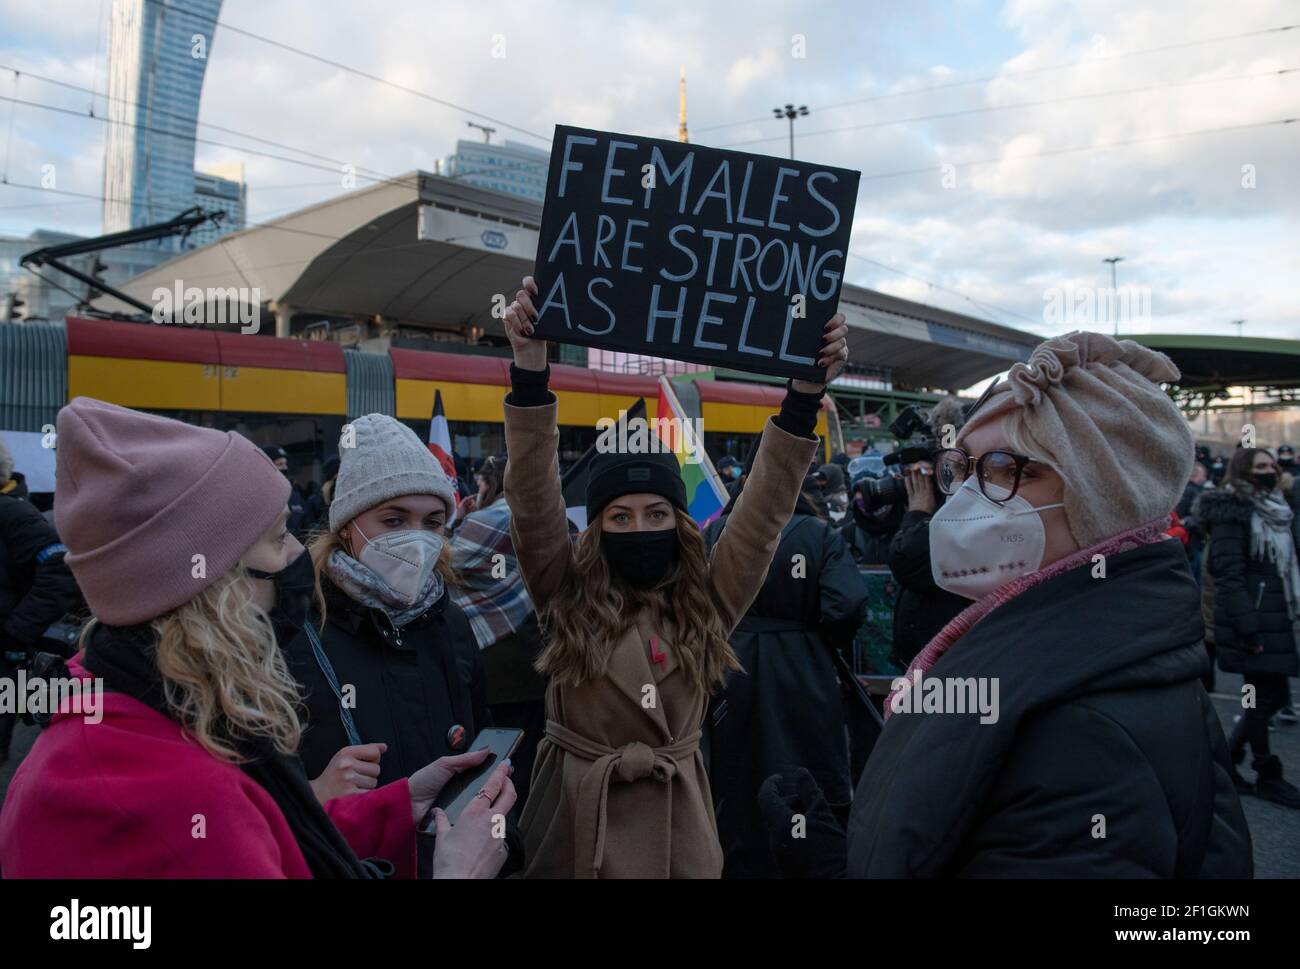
pixel 121 798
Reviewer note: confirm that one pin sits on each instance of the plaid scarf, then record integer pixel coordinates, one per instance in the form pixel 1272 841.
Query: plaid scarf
pixel 491 591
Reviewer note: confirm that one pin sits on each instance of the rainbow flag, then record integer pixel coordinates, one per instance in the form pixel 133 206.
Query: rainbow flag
pixel 705 495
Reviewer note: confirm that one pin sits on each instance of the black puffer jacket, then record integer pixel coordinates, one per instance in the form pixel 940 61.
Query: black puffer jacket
pixel 410 687
pixel 1101 719
pixel 922 608
pixel 36 586
pixel 1250 610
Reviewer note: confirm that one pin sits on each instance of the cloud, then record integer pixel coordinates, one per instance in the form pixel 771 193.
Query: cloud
pixel 1023 214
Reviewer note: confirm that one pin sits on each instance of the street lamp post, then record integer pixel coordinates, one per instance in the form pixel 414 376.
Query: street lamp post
pixel 1114 290
pixel 791 112
pixel 1238 324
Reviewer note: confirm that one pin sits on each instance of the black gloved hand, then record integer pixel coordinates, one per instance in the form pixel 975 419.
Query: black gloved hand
pixel 806 840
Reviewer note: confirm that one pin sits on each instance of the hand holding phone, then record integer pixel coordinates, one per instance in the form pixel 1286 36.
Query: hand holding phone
pixel 455 781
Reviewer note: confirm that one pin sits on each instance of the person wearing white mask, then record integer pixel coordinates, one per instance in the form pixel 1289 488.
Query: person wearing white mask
pixel 390 666
pixel 1057 727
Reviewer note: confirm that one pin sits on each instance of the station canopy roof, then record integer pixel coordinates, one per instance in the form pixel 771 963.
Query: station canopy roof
pixel 1214 362
pixel 424 250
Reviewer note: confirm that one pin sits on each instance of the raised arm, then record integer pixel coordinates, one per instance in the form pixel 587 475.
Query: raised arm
pixel 539 527
pixel 748 541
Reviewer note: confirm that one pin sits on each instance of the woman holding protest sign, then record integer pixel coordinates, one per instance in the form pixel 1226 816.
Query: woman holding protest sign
pixel 637 619
pixel 188 767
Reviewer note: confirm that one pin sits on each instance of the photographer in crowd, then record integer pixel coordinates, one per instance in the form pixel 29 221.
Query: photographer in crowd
pixel 923 607
pixel 871 524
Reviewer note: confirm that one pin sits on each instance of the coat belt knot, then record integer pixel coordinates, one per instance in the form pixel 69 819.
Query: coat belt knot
pixel 637 761
pixel 632 762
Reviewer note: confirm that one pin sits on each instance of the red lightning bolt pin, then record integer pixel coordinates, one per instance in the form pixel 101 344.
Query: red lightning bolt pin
pixel 655 655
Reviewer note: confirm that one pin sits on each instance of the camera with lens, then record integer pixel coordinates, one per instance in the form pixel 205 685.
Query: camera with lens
pixel 912 428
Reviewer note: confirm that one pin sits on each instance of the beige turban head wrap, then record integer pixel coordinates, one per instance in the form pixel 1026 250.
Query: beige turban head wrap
pixel 1090 407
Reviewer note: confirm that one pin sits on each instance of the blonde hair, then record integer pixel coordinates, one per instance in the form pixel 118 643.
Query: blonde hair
pixel 223 674
pixel 322 544
pixel 585 620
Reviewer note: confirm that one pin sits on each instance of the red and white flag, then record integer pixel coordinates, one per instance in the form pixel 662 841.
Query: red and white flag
pixel 440 438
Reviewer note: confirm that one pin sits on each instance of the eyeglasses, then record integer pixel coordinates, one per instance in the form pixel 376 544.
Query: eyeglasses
pixel 996 472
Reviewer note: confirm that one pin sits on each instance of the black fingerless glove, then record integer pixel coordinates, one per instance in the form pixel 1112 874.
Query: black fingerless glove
pixel 528 388
pixel 799 412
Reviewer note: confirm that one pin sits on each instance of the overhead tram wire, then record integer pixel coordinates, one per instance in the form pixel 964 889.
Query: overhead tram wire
pixel 173 115
pixel 382 179
pixel 985 307
pixel 1022 104
pixel 216 22
pixel 1012 74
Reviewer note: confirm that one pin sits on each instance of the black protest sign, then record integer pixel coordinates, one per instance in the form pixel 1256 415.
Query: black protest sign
pixel 676 250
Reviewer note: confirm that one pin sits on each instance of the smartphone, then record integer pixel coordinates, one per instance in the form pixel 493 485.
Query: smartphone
pixel 464 787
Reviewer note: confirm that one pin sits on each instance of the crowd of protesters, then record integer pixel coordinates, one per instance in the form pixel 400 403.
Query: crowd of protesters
pixel 294 675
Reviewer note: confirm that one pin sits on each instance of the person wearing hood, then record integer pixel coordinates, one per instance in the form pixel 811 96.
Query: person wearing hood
pixel 636 617
pixel 178 758
pixel 869 534
pixel 300 516
pixel 1254 559
pixel 784 710
pixel 729 470
pixel 830 477
pixel 1069 735
pixel 923 605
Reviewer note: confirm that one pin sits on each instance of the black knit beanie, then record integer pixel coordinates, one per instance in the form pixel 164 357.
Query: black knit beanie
pixel 615 474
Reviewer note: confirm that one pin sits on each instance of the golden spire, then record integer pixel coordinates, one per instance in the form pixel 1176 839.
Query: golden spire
pixel 681 123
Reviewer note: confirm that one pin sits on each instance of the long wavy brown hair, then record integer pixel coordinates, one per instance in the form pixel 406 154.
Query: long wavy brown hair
pixel 585 620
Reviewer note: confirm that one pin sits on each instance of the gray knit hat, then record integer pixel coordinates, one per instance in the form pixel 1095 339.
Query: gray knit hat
pixel 386 460
pixel 1091 407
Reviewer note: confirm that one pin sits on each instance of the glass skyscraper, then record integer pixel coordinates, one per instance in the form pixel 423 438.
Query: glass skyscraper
pixel 513 168
pixel 157 56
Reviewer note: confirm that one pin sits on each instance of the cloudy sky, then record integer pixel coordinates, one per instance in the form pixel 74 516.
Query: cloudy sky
pixel 1207 220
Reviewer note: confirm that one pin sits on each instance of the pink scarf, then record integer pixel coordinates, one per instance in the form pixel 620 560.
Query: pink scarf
pixel 961 624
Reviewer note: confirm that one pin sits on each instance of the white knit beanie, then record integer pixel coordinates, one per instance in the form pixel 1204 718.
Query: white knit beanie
pixel 1092 408
pixel 386 460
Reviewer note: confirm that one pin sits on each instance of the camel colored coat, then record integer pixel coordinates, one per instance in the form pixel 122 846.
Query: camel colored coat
pixel 619 788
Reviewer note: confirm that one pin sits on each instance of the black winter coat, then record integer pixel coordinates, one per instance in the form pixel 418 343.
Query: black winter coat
pixel 922 608
pixel 411 687
pixel 870 544
pixel 784 710
pixel 1249 603
pixel 36 586
pixel 1101 719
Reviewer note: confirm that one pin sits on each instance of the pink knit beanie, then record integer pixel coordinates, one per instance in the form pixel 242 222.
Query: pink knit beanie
pixel 138 498
pixel 1091 407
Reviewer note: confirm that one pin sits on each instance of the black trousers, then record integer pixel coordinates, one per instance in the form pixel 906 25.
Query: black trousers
pixel 1271 694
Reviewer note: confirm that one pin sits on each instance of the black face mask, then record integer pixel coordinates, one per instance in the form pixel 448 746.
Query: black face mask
pixel 640 558
pixel 1265 482
pixel 294 585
